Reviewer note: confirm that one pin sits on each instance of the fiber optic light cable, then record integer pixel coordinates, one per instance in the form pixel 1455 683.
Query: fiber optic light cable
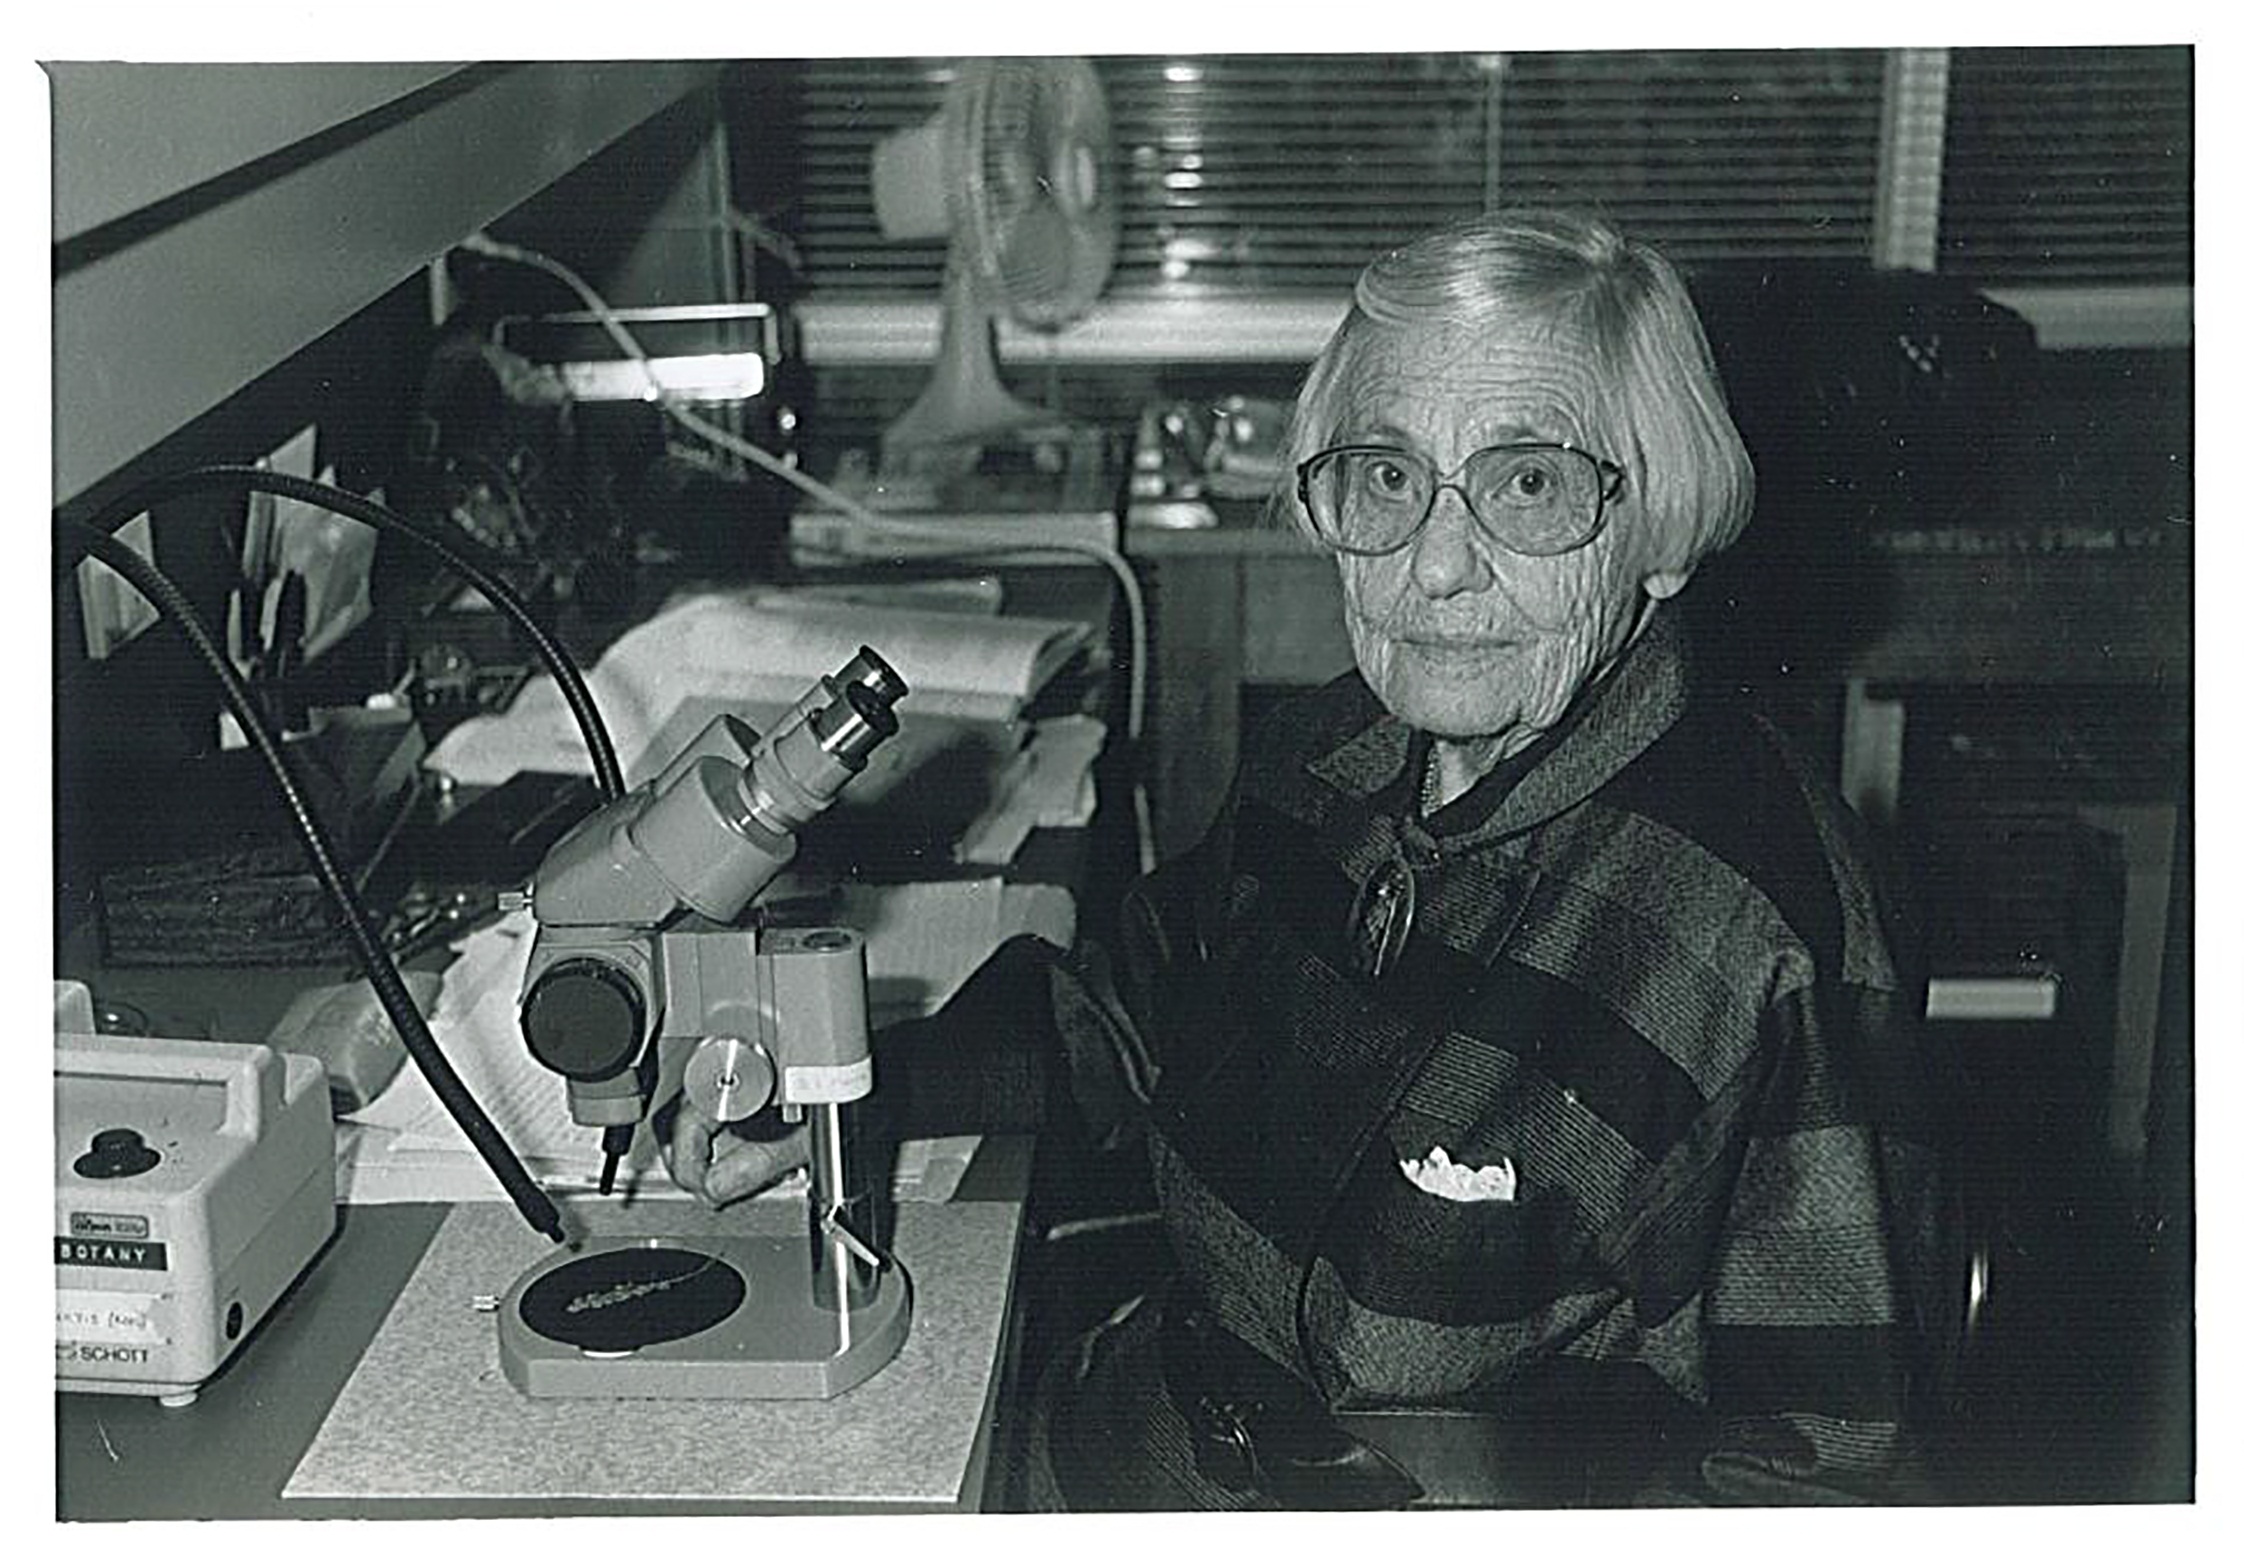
pixel 381 971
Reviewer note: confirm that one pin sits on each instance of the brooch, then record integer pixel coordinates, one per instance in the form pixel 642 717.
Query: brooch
pixel 1379 924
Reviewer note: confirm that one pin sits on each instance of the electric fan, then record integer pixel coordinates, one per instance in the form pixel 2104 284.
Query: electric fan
pixel 1013 170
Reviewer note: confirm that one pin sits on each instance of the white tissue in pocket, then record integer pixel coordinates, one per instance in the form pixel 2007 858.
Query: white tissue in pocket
pixel 1444 1179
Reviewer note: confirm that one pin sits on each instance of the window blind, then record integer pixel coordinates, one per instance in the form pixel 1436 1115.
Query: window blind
pixel 2068 166
pixel 1712 155
pixel 1266 181
pixel 1285 173
pixel 812 126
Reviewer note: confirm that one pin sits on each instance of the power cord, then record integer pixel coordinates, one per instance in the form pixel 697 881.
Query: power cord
pixel 764 237
pixel 1126 581
pixel 381 971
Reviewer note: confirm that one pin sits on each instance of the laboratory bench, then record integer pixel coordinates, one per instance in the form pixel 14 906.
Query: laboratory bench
pixel 235 1452
pixel 926 1433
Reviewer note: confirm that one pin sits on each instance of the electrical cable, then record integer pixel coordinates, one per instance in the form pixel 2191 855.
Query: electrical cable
pixel 1133 595
pixel 454 552
pixel 381 970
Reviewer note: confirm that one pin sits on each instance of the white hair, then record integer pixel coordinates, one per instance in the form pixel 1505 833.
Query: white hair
pixel 1578 280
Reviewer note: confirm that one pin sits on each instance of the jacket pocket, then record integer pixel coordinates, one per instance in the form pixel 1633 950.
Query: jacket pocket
pixel 1419 1255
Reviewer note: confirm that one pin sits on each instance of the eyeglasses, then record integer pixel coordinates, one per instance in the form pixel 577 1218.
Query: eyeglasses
pixel 1537 499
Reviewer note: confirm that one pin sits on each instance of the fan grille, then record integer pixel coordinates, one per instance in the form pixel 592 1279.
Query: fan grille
pixel 1027 154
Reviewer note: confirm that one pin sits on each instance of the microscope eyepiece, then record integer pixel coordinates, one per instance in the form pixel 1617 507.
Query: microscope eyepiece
pixel 871 670
pixel 854 726
pixel 850 728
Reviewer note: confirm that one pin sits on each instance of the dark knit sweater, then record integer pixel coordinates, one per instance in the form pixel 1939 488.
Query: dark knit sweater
pixel 1651 971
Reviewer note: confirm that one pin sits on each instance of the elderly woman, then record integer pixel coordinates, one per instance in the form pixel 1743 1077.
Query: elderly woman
pixel 1528 1080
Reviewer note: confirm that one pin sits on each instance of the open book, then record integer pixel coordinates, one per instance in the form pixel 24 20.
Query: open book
pixel 753 653
pixel 978 665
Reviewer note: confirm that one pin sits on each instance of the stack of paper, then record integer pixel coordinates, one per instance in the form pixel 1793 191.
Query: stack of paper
pixel 1049 786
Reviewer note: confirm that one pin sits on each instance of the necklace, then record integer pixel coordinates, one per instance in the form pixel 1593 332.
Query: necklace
pixel 1429 785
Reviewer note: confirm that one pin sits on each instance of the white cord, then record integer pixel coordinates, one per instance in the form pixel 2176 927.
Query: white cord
pixel 1125 578
pixel 764 237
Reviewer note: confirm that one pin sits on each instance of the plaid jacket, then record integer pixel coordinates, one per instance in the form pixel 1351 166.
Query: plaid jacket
pixel 1653 977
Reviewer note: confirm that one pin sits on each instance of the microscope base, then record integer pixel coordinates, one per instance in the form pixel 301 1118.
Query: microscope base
pixel 731 1318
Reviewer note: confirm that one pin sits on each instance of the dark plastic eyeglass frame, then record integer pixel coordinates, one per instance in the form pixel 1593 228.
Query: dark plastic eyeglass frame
pixel 1612 472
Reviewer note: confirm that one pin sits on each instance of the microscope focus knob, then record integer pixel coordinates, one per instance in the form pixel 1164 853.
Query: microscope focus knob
pixel 729 1078
pixel 584 1019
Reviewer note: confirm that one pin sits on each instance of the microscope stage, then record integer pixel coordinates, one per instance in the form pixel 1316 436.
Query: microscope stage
pixel 732 1318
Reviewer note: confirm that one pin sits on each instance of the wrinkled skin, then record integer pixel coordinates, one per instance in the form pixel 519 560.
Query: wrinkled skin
pixel 1481 647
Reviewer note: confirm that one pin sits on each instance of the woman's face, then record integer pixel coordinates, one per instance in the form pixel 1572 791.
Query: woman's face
pixel 1454 633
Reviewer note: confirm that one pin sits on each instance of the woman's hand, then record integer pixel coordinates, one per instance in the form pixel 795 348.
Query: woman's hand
pixel 717 1167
